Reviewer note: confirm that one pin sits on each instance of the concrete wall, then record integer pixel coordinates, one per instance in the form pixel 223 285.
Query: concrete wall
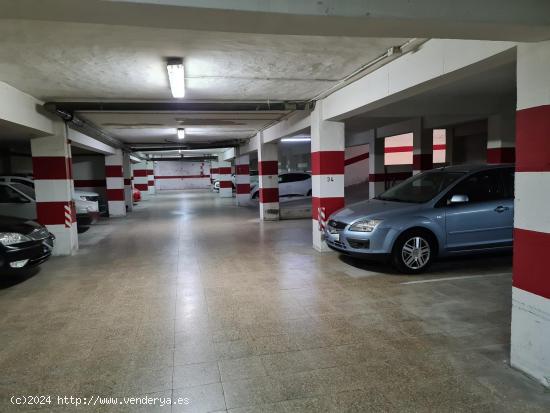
pixel 182 175
pixel 89 173
pixel 356 170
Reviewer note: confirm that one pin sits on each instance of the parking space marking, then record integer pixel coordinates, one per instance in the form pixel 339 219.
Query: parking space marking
pixel 456 278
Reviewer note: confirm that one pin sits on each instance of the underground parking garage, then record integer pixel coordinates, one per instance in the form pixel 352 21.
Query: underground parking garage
pixel 206 208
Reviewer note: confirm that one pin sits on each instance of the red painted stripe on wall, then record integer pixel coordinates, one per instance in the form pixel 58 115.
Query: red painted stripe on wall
pixel 53 213
pixel 242 170
pixel 226 170
pixel 113 171
pixel 213 170
pixel 530 270
pixel 501 155
pixel 51 167
pixel 268 167
pixel 243 189
pixel 331 205
pixel 140 172
pixel 394 149
pixel 423 162
pixel 141 187
pixel 327 163
pixel 355 159
pixel 440 147
pixel 226 184
pixel 269 195
pixel 151 183
pixel 180 176
pixel 150 172
pixel 115 194
pixel 532 139
pixel 89 183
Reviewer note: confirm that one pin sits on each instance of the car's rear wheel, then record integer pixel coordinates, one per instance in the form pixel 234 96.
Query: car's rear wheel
pixel 413 252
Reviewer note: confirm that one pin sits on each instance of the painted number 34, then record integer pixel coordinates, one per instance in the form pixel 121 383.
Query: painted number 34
pixel 330 179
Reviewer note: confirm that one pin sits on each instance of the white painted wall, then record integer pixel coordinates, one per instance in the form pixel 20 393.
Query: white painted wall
pixel 89 173
pixel 356 172
pixel 182 175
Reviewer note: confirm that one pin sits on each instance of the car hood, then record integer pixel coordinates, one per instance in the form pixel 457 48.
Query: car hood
pixel 372 209
pixel 20 225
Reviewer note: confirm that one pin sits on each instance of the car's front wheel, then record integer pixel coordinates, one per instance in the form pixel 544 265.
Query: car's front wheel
pixel 413 252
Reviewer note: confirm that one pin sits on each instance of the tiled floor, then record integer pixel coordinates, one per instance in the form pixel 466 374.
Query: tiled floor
pixel 192 297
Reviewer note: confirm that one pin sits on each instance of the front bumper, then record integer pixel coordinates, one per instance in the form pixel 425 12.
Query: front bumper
pixel 374 245
pixel 36 252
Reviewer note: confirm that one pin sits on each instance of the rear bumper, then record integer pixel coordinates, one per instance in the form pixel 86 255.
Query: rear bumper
pixel 36 252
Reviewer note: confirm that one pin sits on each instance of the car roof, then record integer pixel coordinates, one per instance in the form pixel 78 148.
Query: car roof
pixel 470 168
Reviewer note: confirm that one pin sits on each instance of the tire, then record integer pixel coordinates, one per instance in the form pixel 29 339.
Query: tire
pixel 308 193
pixel 414 251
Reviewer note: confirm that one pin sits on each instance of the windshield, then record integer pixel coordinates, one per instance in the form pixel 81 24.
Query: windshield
pixel 421 188
pixel 27 190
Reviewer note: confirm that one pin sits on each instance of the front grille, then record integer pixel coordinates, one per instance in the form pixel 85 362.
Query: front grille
pixel 338 244
pixel 39 234
pixel 337 224
pixel 359 243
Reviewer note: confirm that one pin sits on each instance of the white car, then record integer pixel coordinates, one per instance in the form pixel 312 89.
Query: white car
pixel 290 184
pixel 18 199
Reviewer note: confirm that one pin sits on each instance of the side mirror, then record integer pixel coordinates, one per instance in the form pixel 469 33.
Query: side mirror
pixel 459 199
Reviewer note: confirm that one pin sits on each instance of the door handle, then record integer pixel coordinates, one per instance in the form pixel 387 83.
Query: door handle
pixel 501 208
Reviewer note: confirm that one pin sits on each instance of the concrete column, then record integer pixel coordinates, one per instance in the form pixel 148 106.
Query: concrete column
pixel 242 179
pixel 327 167
pixel 53 182
pixel 423 148
pixel 151 178
pixel 501 138
pixel 224 176
pixel 114 179
pixel 449 145
pixel 140 179
pixel 127 171
pixel 377 174
pixel 268 178
pixel 213 171
pixel 530 341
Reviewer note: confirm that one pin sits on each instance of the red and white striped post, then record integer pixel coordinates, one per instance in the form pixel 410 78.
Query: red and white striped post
pixel 423 144
pixel 224 176
pixel 151 178
pixel 377 174
pixel 530 341
pixel 268 178
pixel 213 171
pixel 501 137
pixel 242 179
pixel 140 179
pixel 54 187
pixel 127 171
pixel 327 167
pixel 114 179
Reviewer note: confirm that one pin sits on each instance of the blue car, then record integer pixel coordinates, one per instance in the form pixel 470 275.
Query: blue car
pixel 441 212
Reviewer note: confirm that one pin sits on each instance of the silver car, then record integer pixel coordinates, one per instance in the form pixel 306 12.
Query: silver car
pixel 442 212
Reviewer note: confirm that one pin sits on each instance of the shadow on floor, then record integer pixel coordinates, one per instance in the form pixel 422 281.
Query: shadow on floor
pixel 9 279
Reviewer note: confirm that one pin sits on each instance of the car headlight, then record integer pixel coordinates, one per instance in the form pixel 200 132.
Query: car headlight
pixel 367 225
pixel 9 238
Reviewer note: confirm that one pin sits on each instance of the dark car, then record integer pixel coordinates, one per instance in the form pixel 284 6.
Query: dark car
pixel 23 243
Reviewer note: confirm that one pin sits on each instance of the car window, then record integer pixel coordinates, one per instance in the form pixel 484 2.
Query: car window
pixel 11 196
pixel 481 187
pixel 284 178
pixel 27 190
pixel 507 175
pixel 23 182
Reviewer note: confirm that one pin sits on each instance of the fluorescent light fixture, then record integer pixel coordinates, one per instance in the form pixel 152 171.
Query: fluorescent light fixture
pixel 176 76
pixel 303 139
pixel 181 133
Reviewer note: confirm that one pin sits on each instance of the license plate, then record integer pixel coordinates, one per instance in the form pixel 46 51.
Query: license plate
pixel 335 237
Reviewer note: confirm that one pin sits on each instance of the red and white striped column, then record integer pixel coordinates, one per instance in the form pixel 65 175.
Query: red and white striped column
pixel 268 178
pixel 327 168
pixel 423 144
pixel 224 176
pixel 53 182
pixel 140 179
pixel 530 341
pixel 377 175
pixel 127 171
pixel 114 179
pixel 501 138
pixel 242 179
pixel 151 178
pixel 213 171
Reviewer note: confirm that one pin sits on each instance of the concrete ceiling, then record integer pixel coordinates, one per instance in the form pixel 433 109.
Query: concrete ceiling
pixel 68 61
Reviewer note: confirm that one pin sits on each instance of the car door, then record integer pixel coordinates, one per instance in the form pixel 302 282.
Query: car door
pixel 486 219
pixel 15 204
pixel 284 185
